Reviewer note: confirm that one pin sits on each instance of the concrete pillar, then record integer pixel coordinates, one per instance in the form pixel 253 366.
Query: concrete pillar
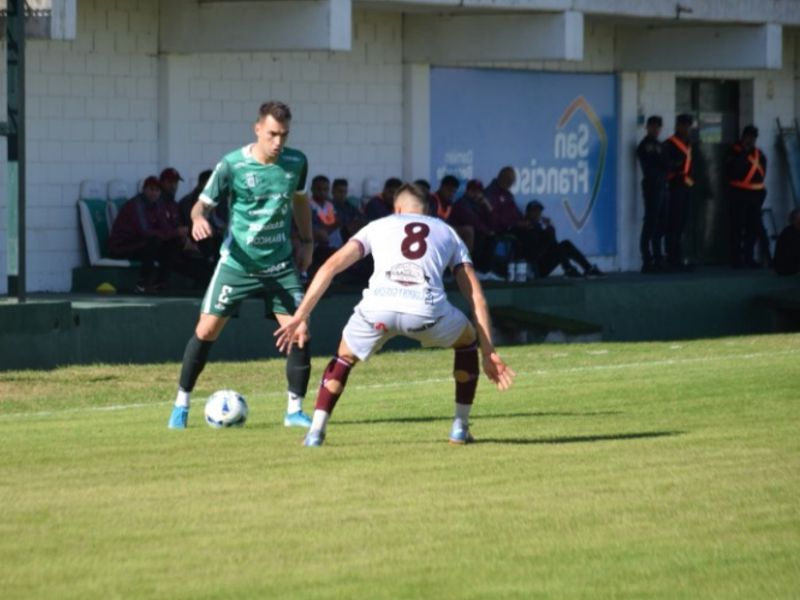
pixel 629 204
pixel 416 121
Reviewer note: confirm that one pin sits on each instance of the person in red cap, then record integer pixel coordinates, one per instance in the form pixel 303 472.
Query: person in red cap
pixel 146 230
pixel 169 179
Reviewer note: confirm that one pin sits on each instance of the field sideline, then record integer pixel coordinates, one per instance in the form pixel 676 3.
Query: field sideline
pixel 651 470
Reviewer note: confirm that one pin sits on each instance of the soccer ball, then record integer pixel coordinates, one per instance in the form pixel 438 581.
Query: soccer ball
pixel 226 408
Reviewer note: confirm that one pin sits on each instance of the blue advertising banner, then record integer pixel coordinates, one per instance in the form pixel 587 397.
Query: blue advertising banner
pixel 558 131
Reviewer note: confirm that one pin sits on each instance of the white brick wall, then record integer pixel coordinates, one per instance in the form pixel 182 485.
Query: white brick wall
pixel 91 114
pixel 347 106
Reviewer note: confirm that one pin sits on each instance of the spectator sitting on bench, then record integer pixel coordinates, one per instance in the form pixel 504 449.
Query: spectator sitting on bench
pixel 349 217
pixel 382 205
pixel 471 218
pixel 169 180
pixel 147 230
pixel 542 250
pixel 787 248
pixel 209 247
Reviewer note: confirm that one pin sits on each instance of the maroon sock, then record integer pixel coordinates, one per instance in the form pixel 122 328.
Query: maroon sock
pixel 337 370
pixel 466 359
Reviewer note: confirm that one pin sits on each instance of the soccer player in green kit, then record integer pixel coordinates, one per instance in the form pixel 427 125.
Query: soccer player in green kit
pixel 264 183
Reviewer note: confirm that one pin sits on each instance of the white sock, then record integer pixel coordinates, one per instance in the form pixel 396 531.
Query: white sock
pixel 462 413
pixel 294 404
pixel 182 399
pixel 320 420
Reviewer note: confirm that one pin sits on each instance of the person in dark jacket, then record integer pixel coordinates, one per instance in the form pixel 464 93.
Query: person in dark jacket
pixel 543 250
pixel 787 248
pixel 654 184
pixel 677 150
pixel 470 217
pixel 746 169
pixel 208 247
pixel 147 230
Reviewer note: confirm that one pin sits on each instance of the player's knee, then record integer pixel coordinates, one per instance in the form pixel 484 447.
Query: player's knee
pixel 334 386
pixel 462 376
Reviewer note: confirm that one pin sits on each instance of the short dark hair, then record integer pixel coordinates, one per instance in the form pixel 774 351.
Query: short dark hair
pixel 340 181
pixel 655 120
pixel 392 182
pixel 318 178
pixel 750 130
pixel 423 183
pixel 684 119
pixel 275 109
pixel 450 181
pixel 506 169
pixel 414 190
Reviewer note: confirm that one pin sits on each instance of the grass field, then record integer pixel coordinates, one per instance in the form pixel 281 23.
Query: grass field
pixel 659 470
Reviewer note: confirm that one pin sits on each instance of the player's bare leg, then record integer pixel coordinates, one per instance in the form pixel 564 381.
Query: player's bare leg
pixel 330 389
pixel 465 373
pixel 194 360
pixel 298 371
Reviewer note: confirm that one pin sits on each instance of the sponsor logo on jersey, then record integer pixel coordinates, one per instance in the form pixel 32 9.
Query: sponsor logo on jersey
pixel 258 227
pixel 251 180
pixel 276 268
pixel 407 274
pixel 264 240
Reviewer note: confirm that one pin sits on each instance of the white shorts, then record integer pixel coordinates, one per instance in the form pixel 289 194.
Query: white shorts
pixel 367 331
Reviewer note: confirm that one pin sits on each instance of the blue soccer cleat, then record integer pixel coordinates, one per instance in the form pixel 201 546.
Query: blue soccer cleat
pixel 314 438
pixel 178 418
pixel 297 419
pixel 459 434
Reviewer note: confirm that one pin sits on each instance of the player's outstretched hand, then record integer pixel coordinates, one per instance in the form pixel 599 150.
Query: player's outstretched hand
pixel 201 229
pixel 498 372
pixel 294 331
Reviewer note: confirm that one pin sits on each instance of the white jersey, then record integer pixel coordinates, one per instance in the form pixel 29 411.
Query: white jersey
pixel 411 252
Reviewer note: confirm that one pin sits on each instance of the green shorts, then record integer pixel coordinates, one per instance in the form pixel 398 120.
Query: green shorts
pixel 279 286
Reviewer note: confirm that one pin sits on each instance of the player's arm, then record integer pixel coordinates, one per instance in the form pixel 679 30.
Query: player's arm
pixel 301 212
pixel 217 187
pixel 201 226
pixel 494 367
pixel 347 255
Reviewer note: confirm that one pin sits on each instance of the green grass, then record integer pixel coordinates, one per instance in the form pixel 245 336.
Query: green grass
pixel 661 470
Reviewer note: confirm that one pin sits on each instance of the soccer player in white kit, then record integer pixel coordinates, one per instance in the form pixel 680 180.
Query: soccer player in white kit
pixel 405 297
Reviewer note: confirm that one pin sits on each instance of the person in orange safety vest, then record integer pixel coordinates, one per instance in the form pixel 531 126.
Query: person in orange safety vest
pixel 677 151
pixel 746 169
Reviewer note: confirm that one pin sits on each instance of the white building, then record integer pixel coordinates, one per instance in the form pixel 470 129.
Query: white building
pixel 146 84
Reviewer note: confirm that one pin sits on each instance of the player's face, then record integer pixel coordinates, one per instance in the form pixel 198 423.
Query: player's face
pixel 271 136
pixel 654 130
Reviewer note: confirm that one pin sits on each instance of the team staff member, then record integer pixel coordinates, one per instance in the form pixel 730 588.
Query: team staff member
pixel 746 170
pixel 263 183
pixel 654 181
pixel 677 151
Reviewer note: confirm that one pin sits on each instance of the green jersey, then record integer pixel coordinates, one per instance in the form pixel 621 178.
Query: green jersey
pixel 260 199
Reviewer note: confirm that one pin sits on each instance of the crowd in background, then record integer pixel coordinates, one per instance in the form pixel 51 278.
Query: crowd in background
pixel 506 243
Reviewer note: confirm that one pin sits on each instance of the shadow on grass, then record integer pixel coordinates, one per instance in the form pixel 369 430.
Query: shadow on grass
pixel 432 419
pixel 580 439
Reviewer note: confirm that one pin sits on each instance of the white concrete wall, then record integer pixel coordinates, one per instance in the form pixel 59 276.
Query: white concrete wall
pixel 347 107
pixel 91 114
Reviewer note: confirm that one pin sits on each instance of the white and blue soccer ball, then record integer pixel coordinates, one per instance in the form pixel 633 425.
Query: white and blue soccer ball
pixel 226 408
